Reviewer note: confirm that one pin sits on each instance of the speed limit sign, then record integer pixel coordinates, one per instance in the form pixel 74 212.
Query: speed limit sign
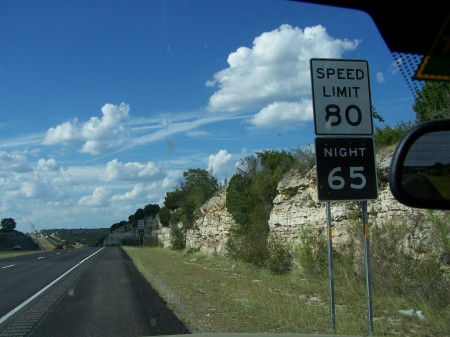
pixel 346 168
pixel 341 97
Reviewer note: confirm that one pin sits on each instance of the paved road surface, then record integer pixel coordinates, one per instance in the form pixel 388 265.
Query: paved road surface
pixel 103 296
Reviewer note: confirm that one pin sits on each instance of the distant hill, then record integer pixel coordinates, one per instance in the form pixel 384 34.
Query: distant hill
pixel 64 238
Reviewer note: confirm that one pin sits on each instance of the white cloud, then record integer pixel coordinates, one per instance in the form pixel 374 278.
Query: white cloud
pixel 33 189
pixel 275 69
pixel 222 165
pixel 14 162
pixel 284 113
pixel 99 134
pixel 115 170
pixel 138 192
pixel 47 165
pixel 171 179
pixel 64 133
pixel 99 198
pixel 45 185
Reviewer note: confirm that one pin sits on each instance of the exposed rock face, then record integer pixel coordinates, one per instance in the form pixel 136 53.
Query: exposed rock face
pixel 129 234
pixel 296 207
pixel 120 235
pixel 210 232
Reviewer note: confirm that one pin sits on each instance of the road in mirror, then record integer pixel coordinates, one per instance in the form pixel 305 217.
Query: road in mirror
pixel 426 170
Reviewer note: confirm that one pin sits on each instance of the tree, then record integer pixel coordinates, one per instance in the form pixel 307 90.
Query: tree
pixel 305 157
pixel 164 216
pixel 196 187
pixel 432 101
pixel 249 166
pixel 250 195
pixel 138 215
pixel 118 225
pixel 8 224
pixel 173 200
pixel 391 135
pixel 200 185
pixel 240 200
pixel 151 209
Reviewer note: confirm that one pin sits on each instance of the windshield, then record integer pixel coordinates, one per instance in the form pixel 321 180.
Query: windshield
pixel 137 135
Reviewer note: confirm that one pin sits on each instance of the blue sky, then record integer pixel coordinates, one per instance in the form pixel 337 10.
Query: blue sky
pixel 104 103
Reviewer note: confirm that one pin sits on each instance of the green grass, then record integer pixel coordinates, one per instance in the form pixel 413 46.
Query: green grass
pixel 214 294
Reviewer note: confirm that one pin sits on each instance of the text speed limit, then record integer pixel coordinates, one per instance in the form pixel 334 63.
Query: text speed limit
pixel 341 97
pixel 346 169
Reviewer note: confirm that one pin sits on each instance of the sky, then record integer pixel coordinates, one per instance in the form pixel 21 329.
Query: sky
pixel 105 103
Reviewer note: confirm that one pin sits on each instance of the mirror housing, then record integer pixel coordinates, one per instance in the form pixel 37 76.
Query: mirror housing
pixel 419 174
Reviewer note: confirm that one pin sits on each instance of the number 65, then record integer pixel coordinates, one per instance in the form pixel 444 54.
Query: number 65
pixel 336 182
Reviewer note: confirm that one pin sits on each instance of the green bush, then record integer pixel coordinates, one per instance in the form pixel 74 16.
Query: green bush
pixel 251 248
pixel 177 238
pixel 391 135
pixel 313 251
pixel 153 242
pixel 164 216
pixel 249 200
pixel 305 158
pixel 280 259
pixel 176 216
pixel 440 229
pixel 397 271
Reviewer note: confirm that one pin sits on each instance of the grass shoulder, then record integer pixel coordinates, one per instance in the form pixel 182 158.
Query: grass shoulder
pixel 12 253
pixel 217 294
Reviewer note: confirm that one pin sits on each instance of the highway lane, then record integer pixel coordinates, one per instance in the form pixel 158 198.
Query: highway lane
pixel 23 276
pixel 103 296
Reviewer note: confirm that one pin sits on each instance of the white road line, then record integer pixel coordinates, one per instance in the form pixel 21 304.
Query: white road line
pixel 16 309
pixel 11 265
pixel 41 257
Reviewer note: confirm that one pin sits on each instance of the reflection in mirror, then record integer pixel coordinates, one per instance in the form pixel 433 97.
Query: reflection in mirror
pixel 426 170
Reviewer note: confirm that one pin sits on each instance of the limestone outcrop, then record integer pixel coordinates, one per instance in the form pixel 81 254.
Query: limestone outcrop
pixel 295 207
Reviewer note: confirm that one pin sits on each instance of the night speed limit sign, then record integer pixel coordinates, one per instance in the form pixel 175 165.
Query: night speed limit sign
pixel 341 97
pixel 346 168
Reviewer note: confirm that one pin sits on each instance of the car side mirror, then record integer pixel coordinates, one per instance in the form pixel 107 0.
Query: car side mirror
pixel 419 174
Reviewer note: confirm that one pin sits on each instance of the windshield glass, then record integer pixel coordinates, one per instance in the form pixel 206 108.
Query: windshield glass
pixel 131 135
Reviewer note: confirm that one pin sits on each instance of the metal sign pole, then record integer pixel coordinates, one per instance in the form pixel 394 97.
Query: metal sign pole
pixel 367 260
pixel 330 267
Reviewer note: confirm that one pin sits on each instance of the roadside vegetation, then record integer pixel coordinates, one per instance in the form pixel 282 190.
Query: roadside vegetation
pixel 222 294
pixel 11 253
pixel 271 286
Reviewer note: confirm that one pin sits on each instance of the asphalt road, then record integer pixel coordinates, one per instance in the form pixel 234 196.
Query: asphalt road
pixel 89 292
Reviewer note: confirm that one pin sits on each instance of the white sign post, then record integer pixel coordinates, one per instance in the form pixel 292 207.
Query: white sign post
pixel 345 158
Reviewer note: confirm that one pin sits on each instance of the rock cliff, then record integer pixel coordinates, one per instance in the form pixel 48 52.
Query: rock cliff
pixel 295 207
